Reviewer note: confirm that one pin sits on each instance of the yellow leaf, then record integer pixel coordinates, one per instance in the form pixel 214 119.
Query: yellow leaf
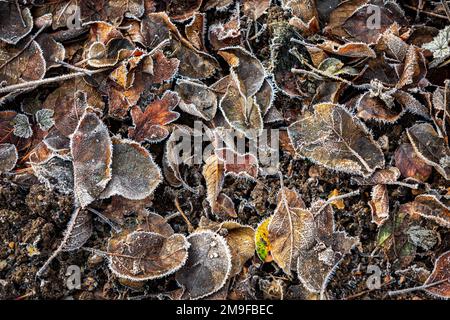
pixel 262 241
pixel 339 204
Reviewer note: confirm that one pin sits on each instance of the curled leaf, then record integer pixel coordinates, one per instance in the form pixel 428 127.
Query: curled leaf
pixel 441 272
pixel 379 205
pixel 410 164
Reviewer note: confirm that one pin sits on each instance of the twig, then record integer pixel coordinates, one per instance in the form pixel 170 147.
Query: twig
pixel 35 83
pixel 177 205
pixel 409 290
pixel 446 8
pixel 404 184
pixel 20 13
pixel 432 14
pixel 74 68
pixel 336 198
pixel 160 45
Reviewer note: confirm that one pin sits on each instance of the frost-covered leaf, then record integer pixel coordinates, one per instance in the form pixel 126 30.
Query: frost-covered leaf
pixel 245 68
pixel 143 255
pixel 134 173
pixel 22 127
pixel 379 205
pixel 91 150
pixel 52 50
pixel 240 240
pixel 430 147
pixel 255 8
pixel 195 30
pixel 163 69
pixel 410 164
pixel 196 99
pixel 8 157
pixel 262 241
pixel 213 172
pixel 441 271
pixel 429 207
pixel 182 10
pixel 14 24
pixel 245 165
pixel 151 124
pixel 440 44
pixel 334 138
pixel 241 113
pixel 44 118
pixel 316 263
pixel 290 229
pixel 55 173
pixel 208 266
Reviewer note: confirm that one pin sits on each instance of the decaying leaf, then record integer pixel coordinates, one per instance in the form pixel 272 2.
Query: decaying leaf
pixel 134 173
pixel 8 157
pixel 255 8
pixel 290 229
pixel 213 172
pixel 207 267
pixel 441 272
pixel 317 262
pixel 196 99
pixel 262 242
pixel 430 147
pixel 181 10
pixel 91 150
pixel 334 138
pixel 379 205
pixel 151 124
pixel 15 22
pixel 142 255
pixel 239 165
pixel 55 173
pixel 410 164
pixel 429 207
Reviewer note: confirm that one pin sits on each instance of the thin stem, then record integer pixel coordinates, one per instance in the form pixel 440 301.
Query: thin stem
pixel 432 14
pixel 425 286
pixel 74 68
pixel 106 220
pixel 446 8
pixel 336 198
pixel 177 205
pixel 404 184
pixel 35 83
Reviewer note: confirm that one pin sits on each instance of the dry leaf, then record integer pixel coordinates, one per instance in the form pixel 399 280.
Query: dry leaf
pixel 410 164
pixel 181 10
pixel 8 157
pixel 208 266
pixel 339 204
pixel 213 172
pixel 290 229
pixel 134 173
pixel 255 8
pixel 91 150
pixel 196 99
pixel 143 255
pixel 55 173
pixel 379 205
pixel 334 138
pixel 151 125
pixel 245 165
pixel 441 271
pixel 14 24
pixel 429 207
pixel 195 31
pixel 430 147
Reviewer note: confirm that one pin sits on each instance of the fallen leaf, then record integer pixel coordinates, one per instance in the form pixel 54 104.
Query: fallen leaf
pixel 196 99
pixel 429 207
pixel 290 229
pixel 245 165
pixel 379 205
pixel 8 157
pixel 262 241
pixel 195 31
pixel 440 272
pixel 430 147
pixel 339 204
pixel 91 150
pixel 151 125
pixel 144 255
pixel 255 8
pixel 410 164
pixel 55 173
pixel 181 10
pixel 208 266
pixel 135 175
pixel 14 24
pixel 334 138
pixel 213 172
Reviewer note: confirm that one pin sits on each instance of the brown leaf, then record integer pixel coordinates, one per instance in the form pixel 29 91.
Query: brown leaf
pixel 221 35
pixel 208 266
pixel 91 149
pixel 224 208
pixel 14 24
pixel 182 10
pixel 374 108
pixel 195 31
pixel 429 207
pixel 255 8
pixel 143 255
pixel 8 157
pixel 410 164
pixel 52 50
pixel 134 173
pixel 245 165
pixel 334 138
pixel 290 229
pixel 151 125
pixel 164 69
pixel 430 147
pixel 245 68
pixel 441 271
pixel 213 172
pixel 196 99
pixel 379 205
pixel 350 49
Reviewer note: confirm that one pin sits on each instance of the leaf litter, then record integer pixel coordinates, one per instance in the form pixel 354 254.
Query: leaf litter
pixel 92 115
